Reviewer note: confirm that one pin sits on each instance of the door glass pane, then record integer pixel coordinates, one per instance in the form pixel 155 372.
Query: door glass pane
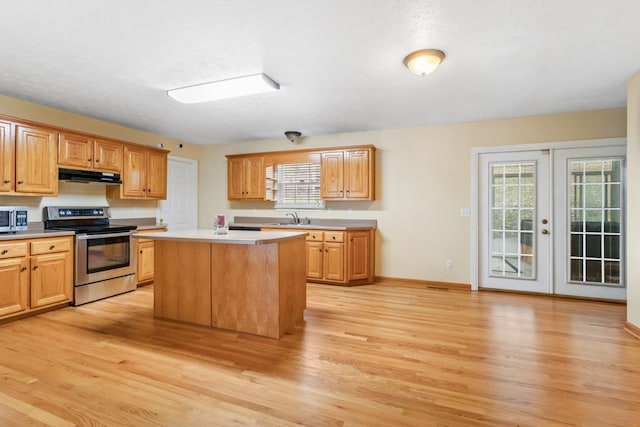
pixel 595 208
pixel 512 218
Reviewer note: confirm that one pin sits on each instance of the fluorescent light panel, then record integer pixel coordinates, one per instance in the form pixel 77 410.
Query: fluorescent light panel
pixel 231 88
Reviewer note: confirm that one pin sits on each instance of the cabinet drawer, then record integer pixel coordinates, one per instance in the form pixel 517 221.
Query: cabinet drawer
pixel 13 249
pixel 48 246
pixel 315 236
pixel 333 236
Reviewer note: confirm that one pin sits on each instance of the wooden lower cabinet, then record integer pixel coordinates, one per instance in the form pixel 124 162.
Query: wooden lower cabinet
pixel 146 255
pixel 360 256
pixel 14 286
pixel 35 274
pixel 50 278
pixel 338 257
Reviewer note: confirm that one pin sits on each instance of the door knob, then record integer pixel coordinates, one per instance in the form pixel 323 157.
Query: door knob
pixel 544 231
pixel 544 221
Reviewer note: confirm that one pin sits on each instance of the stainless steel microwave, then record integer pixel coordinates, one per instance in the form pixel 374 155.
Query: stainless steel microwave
pixel 13 218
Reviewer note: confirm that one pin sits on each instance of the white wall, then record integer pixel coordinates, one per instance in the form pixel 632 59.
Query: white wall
pixel 423 179
pixel 633 200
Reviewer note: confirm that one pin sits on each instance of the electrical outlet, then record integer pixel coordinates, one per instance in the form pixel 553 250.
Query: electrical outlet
pixel 465 212
pixel 449 264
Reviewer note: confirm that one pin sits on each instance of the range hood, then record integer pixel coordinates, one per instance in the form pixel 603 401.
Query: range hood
pixel 75 175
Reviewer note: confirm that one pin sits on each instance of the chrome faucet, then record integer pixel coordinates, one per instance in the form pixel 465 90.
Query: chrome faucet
pixel 294 215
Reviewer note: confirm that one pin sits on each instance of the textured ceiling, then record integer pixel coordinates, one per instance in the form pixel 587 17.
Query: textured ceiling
pixel 339 63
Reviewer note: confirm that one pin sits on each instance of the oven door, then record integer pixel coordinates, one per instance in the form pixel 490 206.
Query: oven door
pixel 104 256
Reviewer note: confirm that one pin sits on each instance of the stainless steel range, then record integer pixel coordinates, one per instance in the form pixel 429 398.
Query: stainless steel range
pixel 105 253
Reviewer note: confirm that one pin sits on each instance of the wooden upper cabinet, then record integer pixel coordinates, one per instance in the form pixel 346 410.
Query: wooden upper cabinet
pixel 135 169
pixel 254 178
pixel 84 152
pixel 358 174
pixel 332 175
pixel 7 157
pixel 107 156
pixel 347 174
pixel 36 160
pixel 156 175
pixel 245 178
pixel 75 151
pixel 144 174
pixel 235 178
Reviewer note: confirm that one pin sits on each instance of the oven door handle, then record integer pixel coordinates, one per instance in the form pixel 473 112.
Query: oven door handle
pixel 101 236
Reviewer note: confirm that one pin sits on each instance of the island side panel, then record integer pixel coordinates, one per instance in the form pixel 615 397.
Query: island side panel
pixel 182 284
pixel 293 283
pixel 245 288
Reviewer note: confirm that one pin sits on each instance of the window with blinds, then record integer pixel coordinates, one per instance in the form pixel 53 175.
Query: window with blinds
pixel 297 185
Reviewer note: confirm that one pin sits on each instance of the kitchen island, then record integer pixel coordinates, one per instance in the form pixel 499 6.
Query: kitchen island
pixel 246 281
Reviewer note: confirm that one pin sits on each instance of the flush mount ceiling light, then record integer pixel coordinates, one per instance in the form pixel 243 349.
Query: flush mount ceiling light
pixel 423 62
pixel 222 89
pixel 293 135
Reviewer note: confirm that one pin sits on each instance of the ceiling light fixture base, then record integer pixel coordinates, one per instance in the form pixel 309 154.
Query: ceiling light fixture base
pixel 293 136
pixel 423 62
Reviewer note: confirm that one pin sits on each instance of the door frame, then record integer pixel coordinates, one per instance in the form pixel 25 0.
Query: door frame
pixel 476 182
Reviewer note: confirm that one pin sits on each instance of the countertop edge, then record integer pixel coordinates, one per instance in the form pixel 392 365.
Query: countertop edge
pixel 152 227
pixel 304 226
pixel 233 237
pixel 36 234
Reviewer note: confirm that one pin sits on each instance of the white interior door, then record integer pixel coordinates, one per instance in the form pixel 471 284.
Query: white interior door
pixel 180 210
pixel 552 220
pixel 514 209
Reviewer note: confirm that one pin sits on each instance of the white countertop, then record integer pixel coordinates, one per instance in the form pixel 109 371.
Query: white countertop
pixel 237 237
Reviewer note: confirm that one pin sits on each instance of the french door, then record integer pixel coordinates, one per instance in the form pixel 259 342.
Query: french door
pixel 552 221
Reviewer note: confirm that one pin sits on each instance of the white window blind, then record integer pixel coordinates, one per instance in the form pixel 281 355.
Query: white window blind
pixel 297 185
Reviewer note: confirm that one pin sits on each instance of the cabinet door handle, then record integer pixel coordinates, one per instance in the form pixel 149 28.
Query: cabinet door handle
pixel 326 250
pixel 5 251
pixel 320 250
pixel 20 182
pixel 89 159
pixel 97 160
pixel 35 267
pixel 52 247
pixel 333 237
pixel 23 269
pixel 140 250
pixel 6 181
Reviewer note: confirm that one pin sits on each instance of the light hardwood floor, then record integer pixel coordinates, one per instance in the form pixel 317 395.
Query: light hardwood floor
pixel 379 355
